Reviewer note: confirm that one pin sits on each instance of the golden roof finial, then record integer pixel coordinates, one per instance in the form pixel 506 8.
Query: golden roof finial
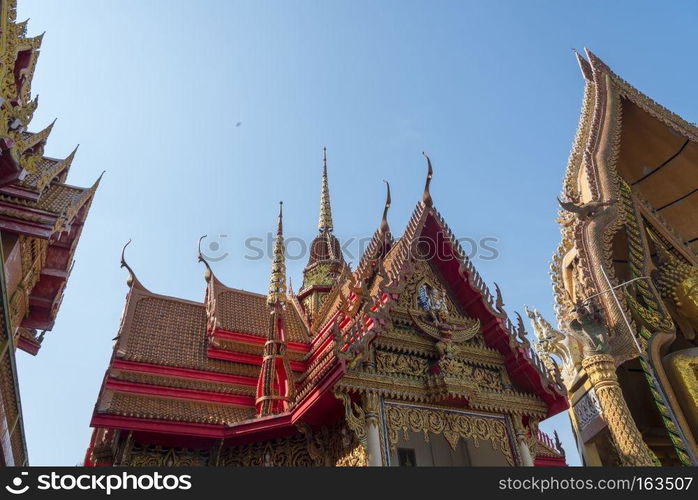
pixel 132 281
pixel 325 222
pixel 277 281
pixel 384 221
pixel 426 197
pixel 201 258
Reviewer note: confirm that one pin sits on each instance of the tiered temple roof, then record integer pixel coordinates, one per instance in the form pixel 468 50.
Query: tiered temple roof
pixel 197 374
pixel 41 219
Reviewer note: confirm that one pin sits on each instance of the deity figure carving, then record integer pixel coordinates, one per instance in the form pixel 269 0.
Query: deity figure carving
pixel 677 281
pixel 434 318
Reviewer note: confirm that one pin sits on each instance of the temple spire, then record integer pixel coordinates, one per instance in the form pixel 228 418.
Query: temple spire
pixel 325 222
pixel 275 389
pixel 277 281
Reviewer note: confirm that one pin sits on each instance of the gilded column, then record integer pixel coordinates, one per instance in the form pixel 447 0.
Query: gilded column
pixel 632 449
pixel 373 442
pixel 522 442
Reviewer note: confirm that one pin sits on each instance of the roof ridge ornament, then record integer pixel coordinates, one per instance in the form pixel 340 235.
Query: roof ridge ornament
pixel 132 281
pixel 426 197
pixel 325 221
pixel 385 228
pixel 99 179
pixel 200 258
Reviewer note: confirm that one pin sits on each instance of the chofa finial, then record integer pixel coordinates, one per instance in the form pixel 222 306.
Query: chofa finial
pixel 201 258
pixel 384 221
pixel 426 197
pixel 132 281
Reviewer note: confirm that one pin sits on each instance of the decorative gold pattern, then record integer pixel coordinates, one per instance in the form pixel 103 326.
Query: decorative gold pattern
pixel 452 425
pixel 630 446
pixel 354 416
pixel 159 456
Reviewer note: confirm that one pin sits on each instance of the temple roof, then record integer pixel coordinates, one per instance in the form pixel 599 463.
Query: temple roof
pixel 247 312
pixel 178 410
pixel 166 331
pixel 62 198
pixel 658 153
pixel 198 363
pixel 47 170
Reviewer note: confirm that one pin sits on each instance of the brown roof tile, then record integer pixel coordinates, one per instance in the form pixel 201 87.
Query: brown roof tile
pixel 247 312
pixel 59 198
pixel 167 331
pixel 178 410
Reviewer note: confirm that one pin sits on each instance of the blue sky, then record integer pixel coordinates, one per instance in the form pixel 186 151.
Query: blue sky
pixel 153 92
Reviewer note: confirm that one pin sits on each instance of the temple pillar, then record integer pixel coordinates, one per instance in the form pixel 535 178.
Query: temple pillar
pixel 631 447
pixel 373 441
pixel 524 451
pixel 522 441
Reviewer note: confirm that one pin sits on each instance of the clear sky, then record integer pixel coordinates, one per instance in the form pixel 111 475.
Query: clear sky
pixel 154 90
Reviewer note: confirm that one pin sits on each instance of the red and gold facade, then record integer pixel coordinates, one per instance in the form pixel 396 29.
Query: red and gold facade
pixel 407 359
pixel 41 219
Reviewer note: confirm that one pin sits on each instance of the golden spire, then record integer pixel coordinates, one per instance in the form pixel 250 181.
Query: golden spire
pixel 325 222
pixel 277 281
pixel 384 221
pixel 426 197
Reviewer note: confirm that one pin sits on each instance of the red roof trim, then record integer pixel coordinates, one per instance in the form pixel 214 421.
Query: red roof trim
pixel 247 338
pixel 179 393
pixel 135 366
pixel 249 359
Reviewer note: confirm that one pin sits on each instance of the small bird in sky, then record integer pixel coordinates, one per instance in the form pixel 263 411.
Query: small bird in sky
pixel 238 124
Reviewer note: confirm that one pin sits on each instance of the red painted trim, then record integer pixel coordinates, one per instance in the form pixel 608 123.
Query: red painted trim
pixel 25 228
pixel 135 366
pixel 320 350
pixel 161 426
pixel 262 425
pixel 178 392
pixel 249 359
pixel 307 403
pixel 17 191
pixel 247 338
pixel 28 346
pixel 253 427
pixel 549 462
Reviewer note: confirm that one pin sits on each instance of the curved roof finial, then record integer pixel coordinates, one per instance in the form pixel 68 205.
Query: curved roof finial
pixel 385 228
pixel 99 179
pixel 200 258
pixel 426 197
pixel 132 281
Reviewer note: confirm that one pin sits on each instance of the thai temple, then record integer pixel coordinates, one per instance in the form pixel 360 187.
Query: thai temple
pixel 625 279
pixel 41 218
pixel 408 359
